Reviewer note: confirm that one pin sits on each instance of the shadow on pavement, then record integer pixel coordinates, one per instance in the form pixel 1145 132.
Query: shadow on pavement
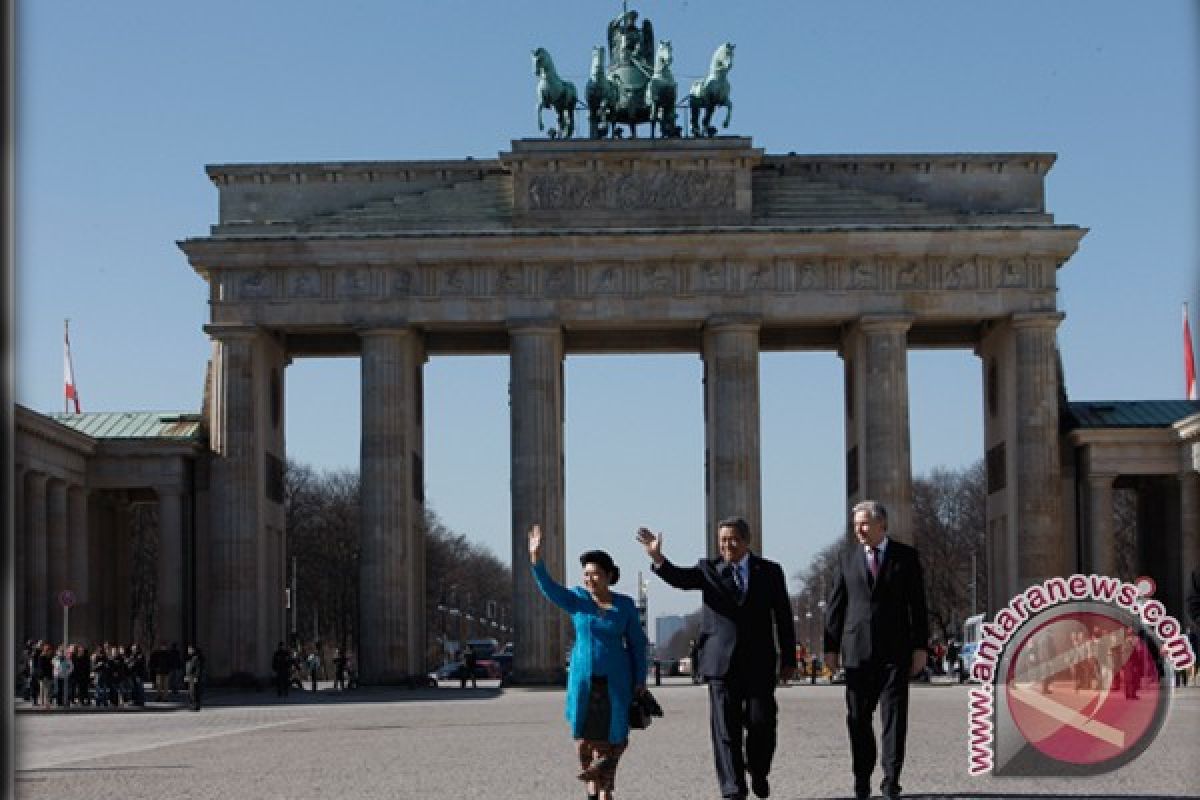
pixel 364 694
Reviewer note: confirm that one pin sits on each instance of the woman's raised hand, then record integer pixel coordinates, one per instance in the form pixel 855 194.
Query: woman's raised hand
pixel 535 543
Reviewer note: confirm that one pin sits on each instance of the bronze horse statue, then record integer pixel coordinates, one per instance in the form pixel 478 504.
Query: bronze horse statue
pixel 601 97
pixel 711 92
pixel 554 93
pixel 660 93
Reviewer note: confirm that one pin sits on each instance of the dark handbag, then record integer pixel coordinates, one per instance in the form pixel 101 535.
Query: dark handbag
pixel 643 709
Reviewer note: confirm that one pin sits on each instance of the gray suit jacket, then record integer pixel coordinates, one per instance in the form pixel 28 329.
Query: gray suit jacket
pixel 880 625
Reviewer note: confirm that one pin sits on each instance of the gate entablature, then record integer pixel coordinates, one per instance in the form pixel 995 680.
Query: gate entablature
pixel 633 278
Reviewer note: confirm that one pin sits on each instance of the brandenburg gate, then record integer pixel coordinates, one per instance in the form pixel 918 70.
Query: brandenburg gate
pixel 697 245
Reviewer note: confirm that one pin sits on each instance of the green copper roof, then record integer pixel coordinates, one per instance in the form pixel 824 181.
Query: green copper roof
pixel 1129 413
pixel 133 424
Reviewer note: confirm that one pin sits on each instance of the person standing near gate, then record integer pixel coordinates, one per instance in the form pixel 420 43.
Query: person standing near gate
pixel 746 611
pixel 876 625
pixel 313 662
pixel 281 665
pixel 339 669
pixel 468 668
pixel 193 675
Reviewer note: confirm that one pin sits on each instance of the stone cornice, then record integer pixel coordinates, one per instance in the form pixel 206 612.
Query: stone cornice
pixel 265 174
pixel 376 170
pixel 1119 437
pixel 1056 242
pixel 42 427
pixel 1188 428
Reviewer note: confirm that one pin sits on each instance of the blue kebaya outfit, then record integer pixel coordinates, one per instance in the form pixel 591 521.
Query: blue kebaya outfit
pixel 608 643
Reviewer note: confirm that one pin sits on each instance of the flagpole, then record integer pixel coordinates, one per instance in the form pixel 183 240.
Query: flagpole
pixel 70 391
pixel 1189 359
pixel 67 356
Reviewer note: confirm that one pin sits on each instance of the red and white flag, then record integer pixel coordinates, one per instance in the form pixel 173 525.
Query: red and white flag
pixel 70 393
pixel 1189 360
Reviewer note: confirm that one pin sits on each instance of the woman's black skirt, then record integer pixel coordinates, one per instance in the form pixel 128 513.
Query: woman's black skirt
pixel 599 711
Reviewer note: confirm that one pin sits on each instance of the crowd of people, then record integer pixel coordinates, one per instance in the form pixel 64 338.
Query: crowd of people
pixel 289 668
pixel 108 676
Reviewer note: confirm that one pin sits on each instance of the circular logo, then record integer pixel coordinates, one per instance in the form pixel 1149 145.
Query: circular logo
pixel 1085 687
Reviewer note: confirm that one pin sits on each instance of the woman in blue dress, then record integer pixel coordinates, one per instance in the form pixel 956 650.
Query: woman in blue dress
pixel 608 662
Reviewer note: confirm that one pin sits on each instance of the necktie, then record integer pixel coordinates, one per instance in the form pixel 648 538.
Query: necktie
pixel 734 576
pixel 873 563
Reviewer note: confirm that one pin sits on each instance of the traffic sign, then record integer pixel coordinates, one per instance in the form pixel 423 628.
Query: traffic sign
pixel 66 598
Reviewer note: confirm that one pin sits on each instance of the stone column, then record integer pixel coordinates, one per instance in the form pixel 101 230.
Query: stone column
pixel 1189 529
pixel 1040 550
pixel 99 511
pixel 20 548
pixel 78 534
pixel 878 459
pixel 536 406
pixel 1102 558
pixel 391 607
pixel 733 477
pixel 56 554
pixel 168 617
pixel 237 468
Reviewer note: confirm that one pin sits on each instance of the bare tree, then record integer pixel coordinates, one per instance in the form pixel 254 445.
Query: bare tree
pixel 949 520
pixel 1125 533
pixel 143 574
pixel 322 514
pixel 468 590
pixel 808 605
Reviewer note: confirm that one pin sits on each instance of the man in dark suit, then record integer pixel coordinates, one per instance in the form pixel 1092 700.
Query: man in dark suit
pixel 746 611
pixel 876 622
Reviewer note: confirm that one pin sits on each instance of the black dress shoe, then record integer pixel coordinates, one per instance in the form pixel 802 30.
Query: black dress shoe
pixel 862 791
pixel 759 785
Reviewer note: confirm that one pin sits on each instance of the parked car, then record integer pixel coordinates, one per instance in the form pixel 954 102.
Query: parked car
pixel 972 634
pixel 455 670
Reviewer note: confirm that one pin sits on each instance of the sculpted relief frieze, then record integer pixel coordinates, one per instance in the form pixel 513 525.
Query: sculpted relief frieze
pixel 911 276
pixel 658 279
pixel 960 275
pixel 510 280
pixel 861 275
pixel 402 283
pixel 257 285
pixel 631 191
pixel 812 276
pixel 665 277
pixel 304 283
pixel 607 279
pixel 355 282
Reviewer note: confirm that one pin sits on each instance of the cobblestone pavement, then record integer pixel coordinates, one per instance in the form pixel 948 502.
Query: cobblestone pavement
pixel 488 743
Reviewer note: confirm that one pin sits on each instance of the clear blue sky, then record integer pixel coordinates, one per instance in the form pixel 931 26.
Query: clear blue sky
pixel 120 106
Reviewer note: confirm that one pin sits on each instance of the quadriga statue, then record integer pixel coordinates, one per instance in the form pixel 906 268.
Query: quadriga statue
pixel 628 91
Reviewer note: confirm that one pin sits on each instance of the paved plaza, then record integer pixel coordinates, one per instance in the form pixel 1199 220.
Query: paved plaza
pixel 513 743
